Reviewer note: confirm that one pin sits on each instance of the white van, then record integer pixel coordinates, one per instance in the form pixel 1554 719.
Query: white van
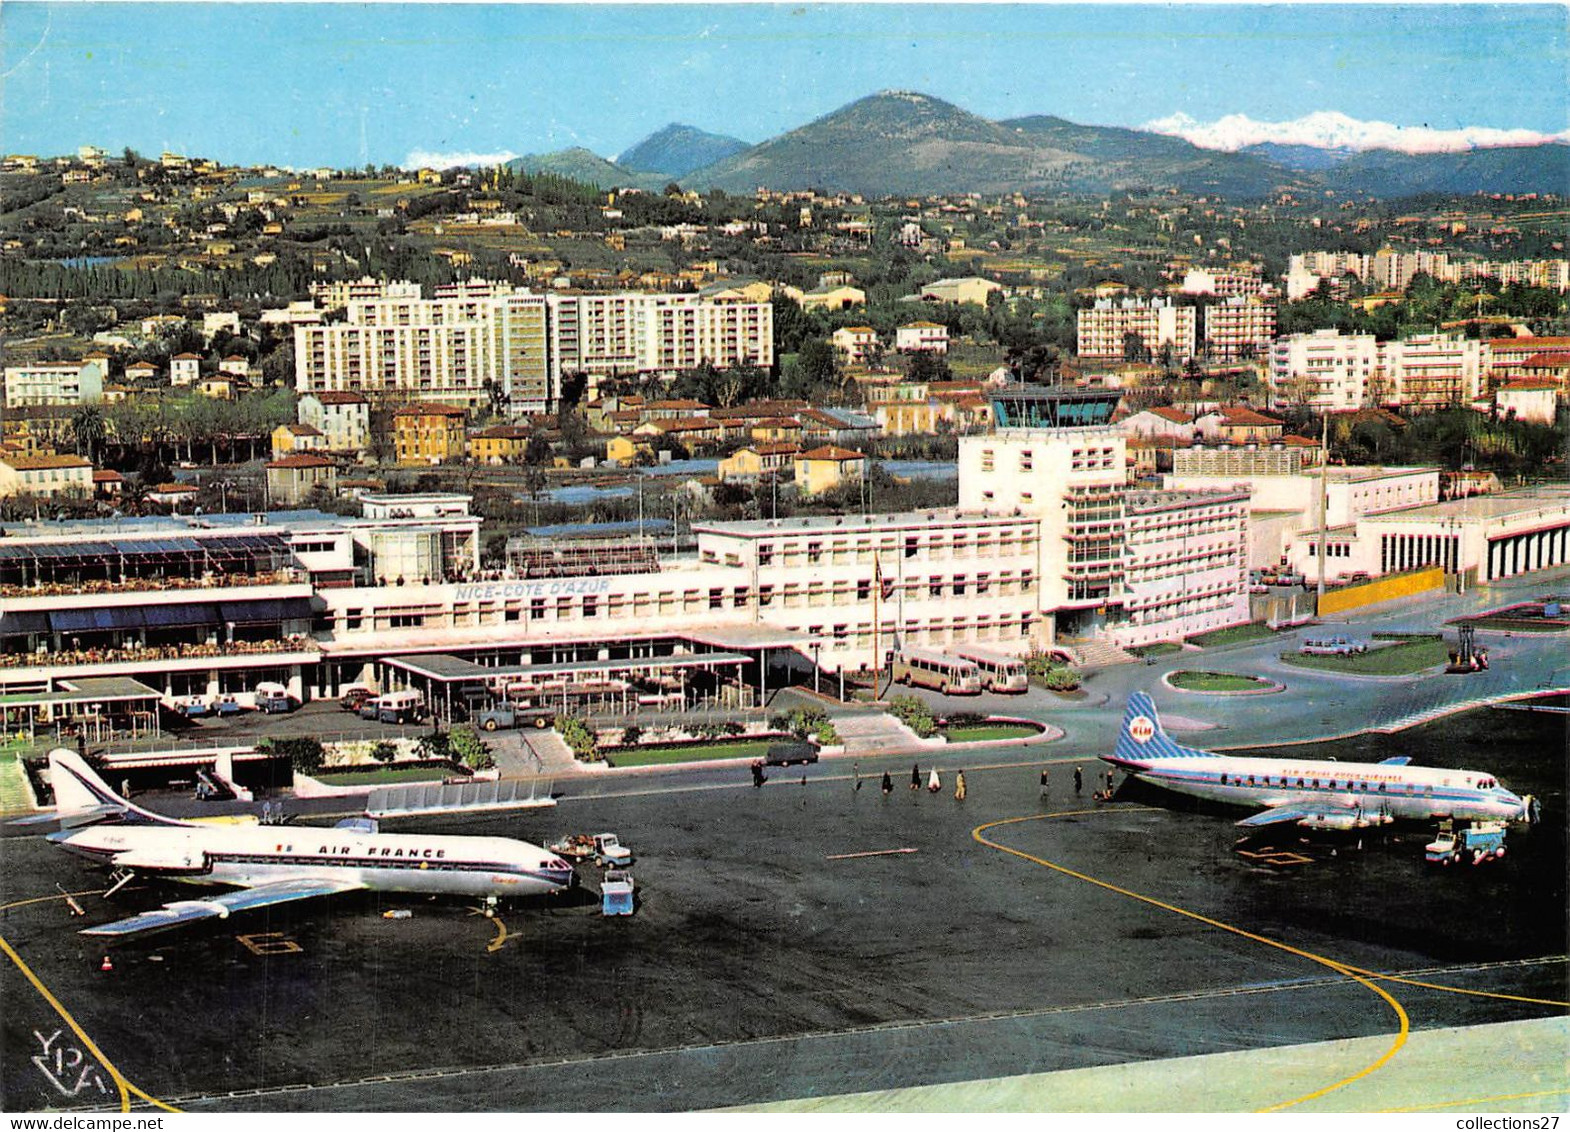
pixel 395 707
pixel 273 698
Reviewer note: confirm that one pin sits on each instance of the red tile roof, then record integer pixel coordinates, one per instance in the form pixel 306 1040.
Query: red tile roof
pixel 830 452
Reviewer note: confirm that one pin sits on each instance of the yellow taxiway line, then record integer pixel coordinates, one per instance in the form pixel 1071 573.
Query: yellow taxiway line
pixel 1365 977
pixel 125 1088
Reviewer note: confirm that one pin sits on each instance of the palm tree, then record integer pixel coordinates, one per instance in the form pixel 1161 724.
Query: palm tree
pixel 90 428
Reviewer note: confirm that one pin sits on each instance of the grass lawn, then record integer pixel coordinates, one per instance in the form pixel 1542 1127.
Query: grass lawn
pixel 1511 625
pixel 388 776
pixel 1254 632
pixel 989 731
pixel 1396 660
pixel 691 752
pixel 1159 648
pixel 1216 682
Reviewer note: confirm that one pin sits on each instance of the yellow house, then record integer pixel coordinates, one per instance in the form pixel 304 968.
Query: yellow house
pixel 624 449
pixel 758 460
pixel 833 298
pixel 428 434
pixel 289 438
pixel 46 476
pixel 502 444
pixel 823 468
pixel 967 289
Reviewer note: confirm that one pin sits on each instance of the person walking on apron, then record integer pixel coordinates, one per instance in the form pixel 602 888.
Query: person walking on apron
pixel 959 787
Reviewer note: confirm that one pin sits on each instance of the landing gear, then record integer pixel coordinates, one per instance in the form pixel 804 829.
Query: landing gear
pixel 121 878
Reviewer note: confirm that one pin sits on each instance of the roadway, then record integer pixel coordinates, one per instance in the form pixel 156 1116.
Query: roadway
pixel 772 960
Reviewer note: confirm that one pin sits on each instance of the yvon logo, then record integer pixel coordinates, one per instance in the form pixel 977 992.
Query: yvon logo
pixel 1141 729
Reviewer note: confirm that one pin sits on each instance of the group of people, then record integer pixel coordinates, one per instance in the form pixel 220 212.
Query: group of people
pixel 934 781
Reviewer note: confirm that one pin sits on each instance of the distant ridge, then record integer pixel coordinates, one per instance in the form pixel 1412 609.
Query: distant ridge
pixel 677 150
pixel 899 142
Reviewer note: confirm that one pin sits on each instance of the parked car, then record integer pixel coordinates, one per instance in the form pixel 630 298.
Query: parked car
pixel 354 697
pixel 228 704
pixel 786 754
pixel 1332 646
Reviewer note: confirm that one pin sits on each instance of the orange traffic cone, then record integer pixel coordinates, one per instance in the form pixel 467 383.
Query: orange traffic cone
pixel 106 965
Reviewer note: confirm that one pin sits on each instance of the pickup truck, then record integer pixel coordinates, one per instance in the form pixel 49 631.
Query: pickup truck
pixel 509 715
pixel 603 848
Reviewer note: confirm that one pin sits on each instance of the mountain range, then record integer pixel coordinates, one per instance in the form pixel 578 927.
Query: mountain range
pixel 905 143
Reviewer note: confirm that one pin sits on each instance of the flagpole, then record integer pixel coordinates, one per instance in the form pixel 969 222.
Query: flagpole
pixel 877 590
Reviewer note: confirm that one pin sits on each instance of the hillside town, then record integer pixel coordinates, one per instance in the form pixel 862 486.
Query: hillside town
pixel 1151 433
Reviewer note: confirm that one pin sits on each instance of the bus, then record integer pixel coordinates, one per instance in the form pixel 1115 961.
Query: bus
pixel 999 673
pixel 948 674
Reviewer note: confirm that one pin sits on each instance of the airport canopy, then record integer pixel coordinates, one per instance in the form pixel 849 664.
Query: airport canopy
pixel 749 637
pixel 446 669
pixel 88 690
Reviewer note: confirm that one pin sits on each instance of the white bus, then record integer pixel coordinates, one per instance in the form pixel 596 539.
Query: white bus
pixel 999 673
pixel 948 674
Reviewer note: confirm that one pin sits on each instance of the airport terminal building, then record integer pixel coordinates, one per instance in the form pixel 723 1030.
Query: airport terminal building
pixel 210 606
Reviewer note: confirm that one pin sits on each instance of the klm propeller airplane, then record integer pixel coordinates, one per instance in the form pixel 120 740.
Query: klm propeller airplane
pixel 1314 793
pixel 277 864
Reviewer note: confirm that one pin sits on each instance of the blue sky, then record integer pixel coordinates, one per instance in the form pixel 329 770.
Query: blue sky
pixel 307 84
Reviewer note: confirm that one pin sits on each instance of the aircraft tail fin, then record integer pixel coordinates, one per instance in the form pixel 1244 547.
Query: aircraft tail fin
pixel 82 797
pixel 1141 741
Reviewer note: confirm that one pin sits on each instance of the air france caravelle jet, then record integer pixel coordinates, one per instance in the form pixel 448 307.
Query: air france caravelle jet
pixel 1316 794
pixel 277 864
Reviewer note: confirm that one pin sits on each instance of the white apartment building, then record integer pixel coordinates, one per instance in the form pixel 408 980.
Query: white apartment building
pixel 1393 271
pixel 447 350
pixel 1104 327
pixel 1328 370
pixel 1435 371
pixel 45 476
pixel 1240 327
pixel 1239 280
pixel 55 383
pixel 342 292
pixel 634 332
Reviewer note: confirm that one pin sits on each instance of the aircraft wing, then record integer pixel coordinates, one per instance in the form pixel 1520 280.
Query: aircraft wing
pixel 189 911
pixel 1277 814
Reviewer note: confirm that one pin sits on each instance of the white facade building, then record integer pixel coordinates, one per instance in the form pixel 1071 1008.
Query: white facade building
pixel 55 383
pixel 344 419
pixel 1104 327
pixel 448 350
pixel 1185 564
pixel 1327 371
pixel 921 337
pixel 1240 327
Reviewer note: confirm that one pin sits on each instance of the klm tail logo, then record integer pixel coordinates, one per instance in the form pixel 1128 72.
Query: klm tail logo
pixel 1141 740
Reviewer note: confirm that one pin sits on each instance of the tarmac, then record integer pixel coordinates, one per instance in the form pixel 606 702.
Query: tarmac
pixel 812 945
